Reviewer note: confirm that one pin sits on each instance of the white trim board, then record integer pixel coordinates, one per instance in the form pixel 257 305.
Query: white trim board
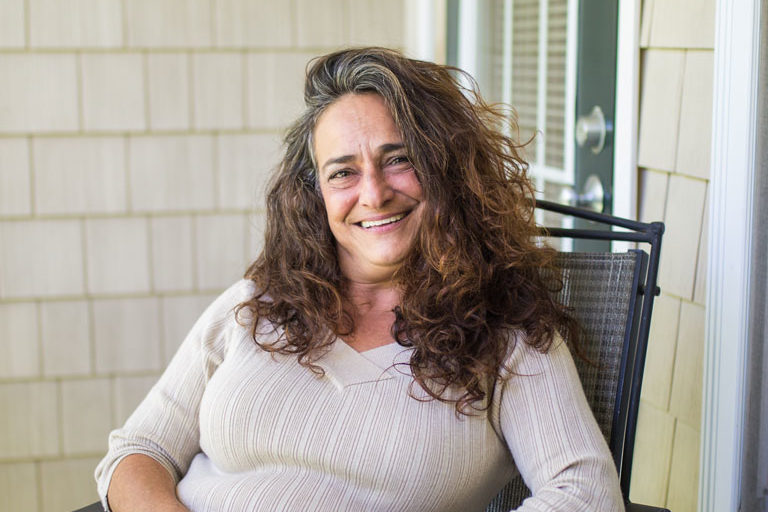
pixel 737 26
pixel 469 43
pixel 424 22
pixel 626 113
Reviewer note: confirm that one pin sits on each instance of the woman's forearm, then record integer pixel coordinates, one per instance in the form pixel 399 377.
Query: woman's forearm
pixel 140 484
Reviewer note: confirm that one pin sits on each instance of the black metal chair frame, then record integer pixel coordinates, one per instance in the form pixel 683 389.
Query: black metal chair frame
pixel 624 429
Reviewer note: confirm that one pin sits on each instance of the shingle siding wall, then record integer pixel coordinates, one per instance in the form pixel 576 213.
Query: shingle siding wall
pixel 135 140
pixel 673 156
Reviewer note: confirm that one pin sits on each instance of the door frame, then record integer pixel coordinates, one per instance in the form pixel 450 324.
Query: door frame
pixel 732 185
pixel 627 106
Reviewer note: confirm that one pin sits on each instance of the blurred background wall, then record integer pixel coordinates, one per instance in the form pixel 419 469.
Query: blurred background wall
pixel 135 138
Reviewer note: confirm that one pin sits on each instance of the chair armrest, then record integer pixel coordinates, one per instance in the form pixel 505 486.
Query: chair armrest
pixel 635 507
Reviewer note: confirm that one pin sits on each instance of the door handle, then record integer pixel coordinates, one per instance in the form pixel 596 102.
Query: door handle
pixel 592 196
pixel 591 130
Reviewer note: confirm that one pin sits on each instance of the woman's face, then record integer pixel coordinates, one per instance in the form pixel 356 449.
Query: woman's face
pixel 371 193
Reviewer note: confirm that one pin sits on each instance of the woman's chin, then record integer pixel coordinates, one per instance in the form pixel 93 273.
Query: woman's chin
pixel 378 271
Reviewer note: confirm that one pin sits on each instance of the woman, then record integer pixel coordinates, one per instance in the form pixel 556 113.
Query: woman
pixel 394 347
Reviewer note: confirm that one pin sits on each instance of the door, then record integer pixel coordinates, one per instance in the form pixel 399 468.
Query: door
pixel 595 100
pixel 595 110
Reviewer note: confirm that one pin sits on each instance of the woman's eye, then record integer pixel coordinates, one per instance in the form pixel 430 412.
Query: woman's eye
pixel 397 160
pixel 341 173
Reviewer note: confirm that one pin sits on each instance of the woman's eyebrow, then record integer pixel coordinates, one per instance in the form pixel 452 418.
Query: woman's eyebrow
pixel 338 160
pixel 390 147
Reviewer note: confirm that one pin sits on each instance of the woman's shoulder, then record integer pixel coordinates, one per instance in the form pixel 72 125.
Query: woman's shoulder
pixel 224 313
pixel 522 357
pixel 223 324
pixel 226 304
pixel 240 291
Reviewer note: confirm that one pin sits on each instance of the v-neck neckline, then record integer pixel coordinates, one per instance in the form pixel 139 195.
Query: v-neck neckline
pixel 345 366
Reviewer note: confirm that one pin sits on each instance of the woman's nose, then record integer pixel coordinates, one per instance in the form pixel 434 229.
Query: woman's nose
pixel 375 190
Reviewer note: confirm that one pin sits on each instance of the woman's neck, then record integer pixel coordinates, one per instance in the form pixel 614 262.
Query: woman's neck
pixel 372 308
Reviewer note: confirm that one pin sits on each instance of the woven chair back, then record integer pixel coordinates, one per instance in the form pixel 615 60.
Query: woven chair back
pixel 601 291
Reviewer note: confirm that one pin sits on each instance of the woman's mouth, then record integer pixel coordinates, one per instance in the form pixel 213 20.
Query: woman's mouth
pixel 382 222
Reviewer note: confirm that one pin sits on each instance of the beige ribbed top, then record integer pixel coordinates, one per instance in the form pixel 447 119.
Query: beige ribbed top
pixel 242 430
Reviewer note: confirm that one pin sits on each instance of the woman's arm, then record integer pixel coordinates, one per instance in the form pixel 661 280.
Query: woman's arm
pixel 141 484
pixel 553 436
pixel 164 429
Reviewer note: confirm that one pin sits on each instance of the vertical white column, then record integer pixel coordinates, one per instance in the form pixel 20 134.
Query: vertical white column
pixel 421 29
pixel 626 113
pixel 737 30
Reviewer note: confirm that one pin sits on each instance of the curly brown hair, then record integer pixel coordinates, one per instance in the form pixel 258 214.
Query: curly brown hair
pixel 476 273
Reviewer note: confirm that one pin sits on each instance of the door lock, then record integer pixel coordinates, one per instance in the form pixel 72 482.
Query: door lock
pixel 591 129
pixel 591 198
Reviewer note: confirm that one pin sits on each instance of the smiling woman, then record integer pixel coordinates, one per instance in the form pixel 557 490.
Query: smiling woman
pixel 395 346
pixel 371 192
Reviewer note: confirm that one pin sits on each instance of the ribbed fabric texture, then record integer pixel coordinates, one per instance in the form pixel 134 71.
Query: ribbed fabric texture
pixel 242 430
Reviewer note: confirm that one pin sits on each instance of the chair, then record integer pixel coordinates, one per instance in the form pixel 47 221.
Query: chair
pixel 611 294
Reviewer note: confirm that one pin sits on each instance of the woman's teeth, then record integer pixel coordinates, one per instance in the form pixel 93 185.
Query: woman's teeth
pixel 374 223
